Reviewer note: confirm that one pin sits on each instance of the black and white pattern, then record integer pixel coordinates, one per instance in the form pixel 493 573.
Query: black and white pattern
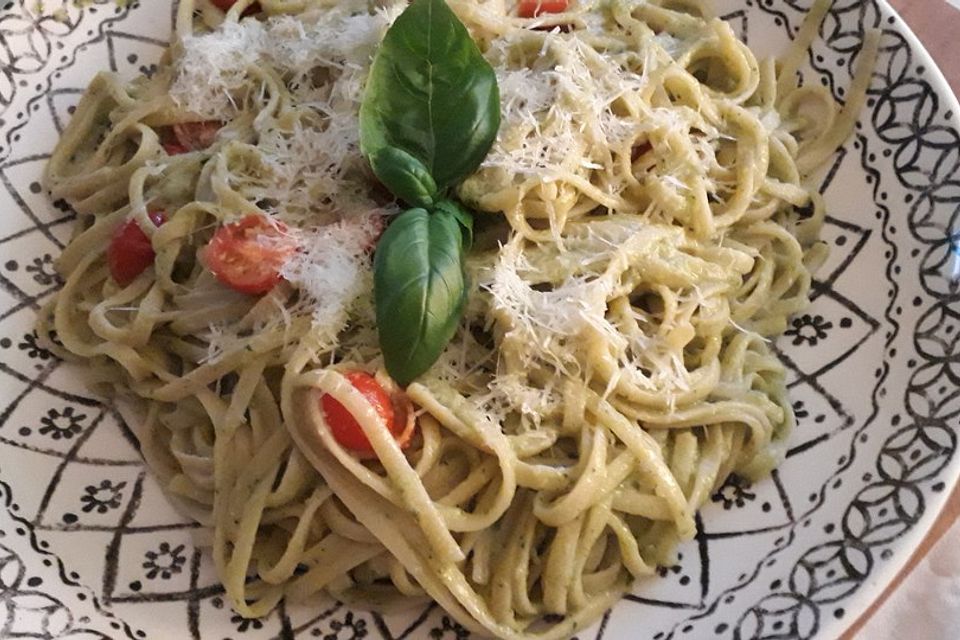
pixel 89 548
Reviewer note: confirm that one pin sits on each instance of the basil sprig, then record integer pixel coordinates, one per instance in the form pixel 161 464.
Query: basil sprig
pixel 430 112
pixel 404 175
pixel 420 290
pixel 431 94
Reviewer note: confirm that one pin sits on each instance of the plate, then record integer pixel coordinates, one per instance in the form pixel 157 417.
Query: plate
pixel 89 548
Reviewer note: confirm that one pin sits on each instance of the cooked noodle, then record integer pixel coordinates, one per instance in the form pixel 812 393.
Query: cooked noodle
pixel 649 233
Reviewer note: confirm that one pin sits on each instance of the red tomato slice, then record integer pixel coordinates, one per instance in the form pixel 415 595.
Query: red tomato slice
pixel 190 136
pixel 130 252
pixel 535 8
pixel 248 255
pixel 224 5
pixel 345 427
pixel 173 148
pixel 197 135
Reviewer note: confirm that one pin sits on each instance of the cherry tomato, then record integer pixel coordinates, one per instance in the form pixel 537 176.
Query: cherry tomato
pixel 197 135
pixel 224 5
pixel 345 427
pixel 190 136
pixel 535 8
pixel 248 255
pixel 173 148
pixel 130 252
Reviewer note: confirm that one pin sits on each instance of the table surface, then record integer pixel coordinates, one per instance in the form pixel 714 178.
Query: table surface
pixel 937 24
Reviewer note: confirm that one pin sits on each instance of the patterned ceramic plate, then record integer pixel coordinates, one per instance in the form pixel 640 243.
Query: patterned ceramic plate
pixel 90 549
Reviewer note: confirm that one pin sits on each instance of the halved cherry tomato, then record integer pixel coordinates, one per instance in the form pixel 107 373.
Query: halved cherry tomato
pixel 224 5
pixel 130 252
pixel 190 136
pixel 197 135
pixel 345 427
pixel 248 255
pixel 535 8
pixel 173 148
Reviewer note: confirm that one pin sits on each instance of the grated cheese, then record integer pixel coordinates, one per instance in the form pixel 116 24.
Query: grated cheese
pixel 322 58
pixel 215 65
pixel 333 269
pixel 552 327
pixel 306 169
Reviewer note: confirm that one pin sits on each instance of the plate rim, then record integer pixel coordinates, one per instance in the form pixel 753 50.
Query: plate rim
pixel 879 590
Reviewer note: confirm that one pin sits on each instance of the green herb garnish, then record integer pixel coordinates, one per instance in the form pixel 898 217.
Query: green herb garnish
pixel 430 112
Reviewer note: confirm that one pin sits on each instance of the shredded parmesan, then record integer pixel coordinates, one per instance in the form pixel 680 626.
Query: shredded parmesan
pixel 333 269
pixel 306 168
pixel 215 65
pixel 553 301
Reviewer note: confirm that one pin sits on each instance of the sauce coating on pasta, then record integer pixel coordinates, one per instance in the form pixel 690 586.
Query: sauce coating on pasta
pixel 644 229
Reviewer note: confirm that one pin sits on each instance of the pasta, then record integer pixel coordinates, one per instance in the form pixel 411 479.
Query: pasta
pixel 645 233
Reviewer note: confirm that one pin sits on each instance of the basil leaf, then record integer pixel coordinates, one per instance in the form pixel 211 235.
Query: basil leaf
pixel 463 216
pixel 419 290
pixel 431 93
pixel 404 175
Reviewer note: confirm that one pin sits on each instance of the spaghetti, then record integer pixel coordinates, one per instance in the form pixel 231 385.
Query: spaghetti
pixel 648 233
